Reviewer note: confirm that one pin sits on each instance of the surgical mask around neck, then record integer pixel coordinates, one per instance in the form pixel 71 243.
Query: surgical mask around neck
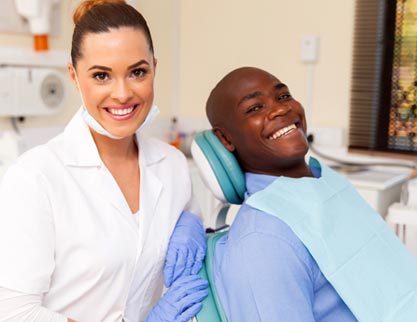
pixel 152 114
pixel 97 127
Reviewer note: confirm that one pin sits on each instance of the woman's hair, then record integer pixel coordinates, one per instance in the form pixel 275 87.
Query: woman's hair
pixel 95 16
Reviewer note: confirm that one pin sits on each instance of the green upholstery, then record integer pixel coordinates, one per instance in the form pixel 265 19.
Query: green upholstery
pixel 212 310
pixel 222 174
pixel 224 166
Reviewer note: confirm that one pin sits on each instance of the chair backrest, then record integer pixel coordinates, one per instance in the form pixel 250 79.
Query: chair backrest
pixel 222 174
pixel 218 168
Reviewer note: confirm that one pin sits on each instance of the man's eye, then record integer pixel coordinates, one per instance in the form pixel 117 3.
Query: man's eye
pixel 254 108
pixel 100 76
pixel 283 97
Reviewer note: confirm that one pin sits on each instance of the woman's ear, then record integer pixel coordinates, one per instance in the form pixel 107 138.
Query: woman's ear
pixel 224 139
pixel 73 76
pixel 155 63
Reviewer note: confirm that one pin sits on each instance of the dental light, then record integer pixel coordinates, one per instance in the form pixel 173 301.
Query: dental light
pixel 37 13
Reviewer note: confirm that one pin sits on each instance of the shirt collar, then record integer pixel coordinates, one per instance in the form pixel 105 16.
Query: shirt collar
pixel 256 182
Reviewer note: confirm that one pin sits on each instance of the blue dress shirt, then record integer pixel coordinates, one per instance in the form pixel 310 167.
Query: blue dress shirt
pixel 263 272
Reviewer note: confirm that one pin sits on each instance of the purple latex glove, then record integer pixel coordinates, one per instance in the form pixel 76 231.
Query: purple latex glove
pixel 186 249
pixel 181 302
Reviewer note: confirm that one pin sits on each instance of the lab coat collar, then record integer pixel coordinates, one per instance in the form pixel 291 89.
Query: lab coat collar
pixel 81 150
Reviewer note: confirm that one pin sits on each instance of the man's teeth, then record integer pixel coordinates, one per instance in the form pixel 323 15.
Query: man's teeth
pixel 283 131
pixel 121 111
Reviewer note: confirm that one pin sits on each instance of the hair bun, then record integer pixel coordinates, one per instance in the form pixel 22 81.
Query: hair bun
pixel 87 5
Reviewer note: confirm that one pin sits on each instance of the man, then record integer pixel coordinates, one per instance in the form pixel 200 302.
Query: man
pixel 264 267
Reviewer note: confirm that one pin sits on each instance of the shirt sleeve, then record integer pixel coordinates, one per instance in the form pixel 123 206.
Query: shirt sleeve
pixel 279 282
pixel 27 239
pixel 19 307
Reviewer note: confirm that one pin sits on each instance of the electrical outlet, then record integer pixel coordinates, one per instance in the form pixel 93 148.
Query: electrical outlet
pixel 309 49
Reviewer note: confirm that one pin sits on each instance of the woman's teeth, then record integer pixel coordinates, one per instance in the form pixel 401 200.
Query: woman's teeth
pixel 120 111
pixel 282 132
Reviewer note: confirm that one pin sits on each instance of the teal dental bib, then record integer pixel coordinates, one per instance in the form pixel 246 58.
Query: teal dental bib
pixel 357 252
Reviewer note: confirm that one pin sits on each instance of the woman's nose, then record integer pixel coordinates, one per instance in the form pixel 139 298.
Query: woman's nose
pixel 121 91
pixel 279 109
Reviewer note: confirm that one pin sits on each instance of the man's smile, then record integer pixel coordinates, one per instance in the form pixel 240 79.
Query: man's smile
pixel 282 132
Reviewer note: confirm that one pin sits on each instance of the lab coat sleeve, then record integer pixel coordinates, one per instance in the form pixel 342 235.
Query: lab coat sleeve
pixel 193 204
pixel 19 307
pixel 26 231
pixel 277 277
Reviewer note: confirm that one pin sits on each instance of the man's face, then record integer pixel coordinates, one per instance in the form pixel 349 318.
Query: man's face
pixel 265 125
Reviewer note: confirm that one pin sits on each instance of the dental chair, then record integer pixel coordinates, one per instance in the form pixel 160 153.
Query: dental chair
pixel 222 174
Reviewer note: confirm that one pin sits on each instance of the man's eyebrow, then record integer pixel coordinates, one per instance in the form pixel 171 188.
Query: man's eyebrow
pixel 141 62
pixel 259 93
pixel 249 96
pixel 279 86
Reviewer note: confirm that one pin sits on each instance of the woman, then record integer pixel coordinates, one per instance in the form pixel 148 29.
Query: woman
pixel 86 219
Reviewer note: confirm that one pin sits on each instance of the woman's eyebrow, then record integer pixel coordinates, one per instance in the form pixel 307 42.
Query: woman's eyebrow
pixel 140 62
pixel 100 67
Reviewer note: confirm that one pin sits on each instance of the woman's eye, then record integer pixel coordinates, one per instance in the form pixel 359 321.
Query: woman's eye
pixel 138 73
pixel 101 76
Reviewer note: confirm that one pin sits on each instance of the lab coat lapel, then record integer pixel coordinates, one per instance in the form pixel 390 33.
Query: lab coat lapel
pixel 107 186
pixel 150 187
pixel 80 151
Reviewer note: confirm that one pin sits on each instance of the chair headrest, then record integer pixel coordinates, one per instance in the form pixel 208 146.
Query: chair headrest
pixel 218 168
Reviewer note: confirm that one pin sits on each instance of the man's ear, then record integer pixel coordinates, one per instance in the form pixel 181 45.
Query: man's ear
pixel 224 139
pixel 71 72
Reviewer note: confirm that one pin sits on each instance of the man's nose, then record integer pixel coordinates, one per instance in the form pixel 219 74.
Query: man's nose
pixel 279 109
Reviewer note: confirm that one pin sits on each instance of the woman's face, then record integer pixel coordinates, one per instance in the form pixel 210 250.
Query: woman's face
pixel 115 76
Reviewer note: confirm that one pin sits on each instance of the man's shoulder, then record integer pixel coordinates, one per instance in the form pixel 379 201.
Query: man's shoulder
pixel 253 223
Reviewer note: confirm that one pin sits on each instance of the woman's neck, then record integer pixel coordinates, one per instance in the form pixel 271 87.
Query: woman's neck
pixel 112 150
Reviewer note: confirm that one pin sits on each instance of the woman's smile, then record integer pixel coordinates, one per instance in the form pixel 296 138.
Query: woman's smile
pixel 122 113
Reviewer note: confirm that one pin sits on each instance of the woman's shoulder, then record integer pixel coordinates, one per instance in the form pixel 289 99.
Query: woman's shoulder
pixel 155 148
pixel 37 159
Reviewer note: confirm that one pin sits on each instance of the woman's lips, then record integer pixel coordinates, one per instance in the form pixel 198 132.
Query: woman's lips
pixel 123 113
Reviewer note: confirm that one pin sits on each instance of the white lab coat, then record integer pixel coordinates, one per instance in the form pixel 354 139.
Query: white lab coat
pixel 67 232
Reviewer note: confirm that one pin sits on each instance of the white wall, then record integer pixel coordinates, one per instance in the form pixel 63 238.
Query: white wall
pixel 197 42
pixel 62 42
pixel 220 35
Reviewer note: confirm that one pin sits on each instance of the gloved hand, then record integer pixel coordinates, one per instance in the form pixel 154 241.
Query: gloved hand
pixel 181 302
pixel 186 249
